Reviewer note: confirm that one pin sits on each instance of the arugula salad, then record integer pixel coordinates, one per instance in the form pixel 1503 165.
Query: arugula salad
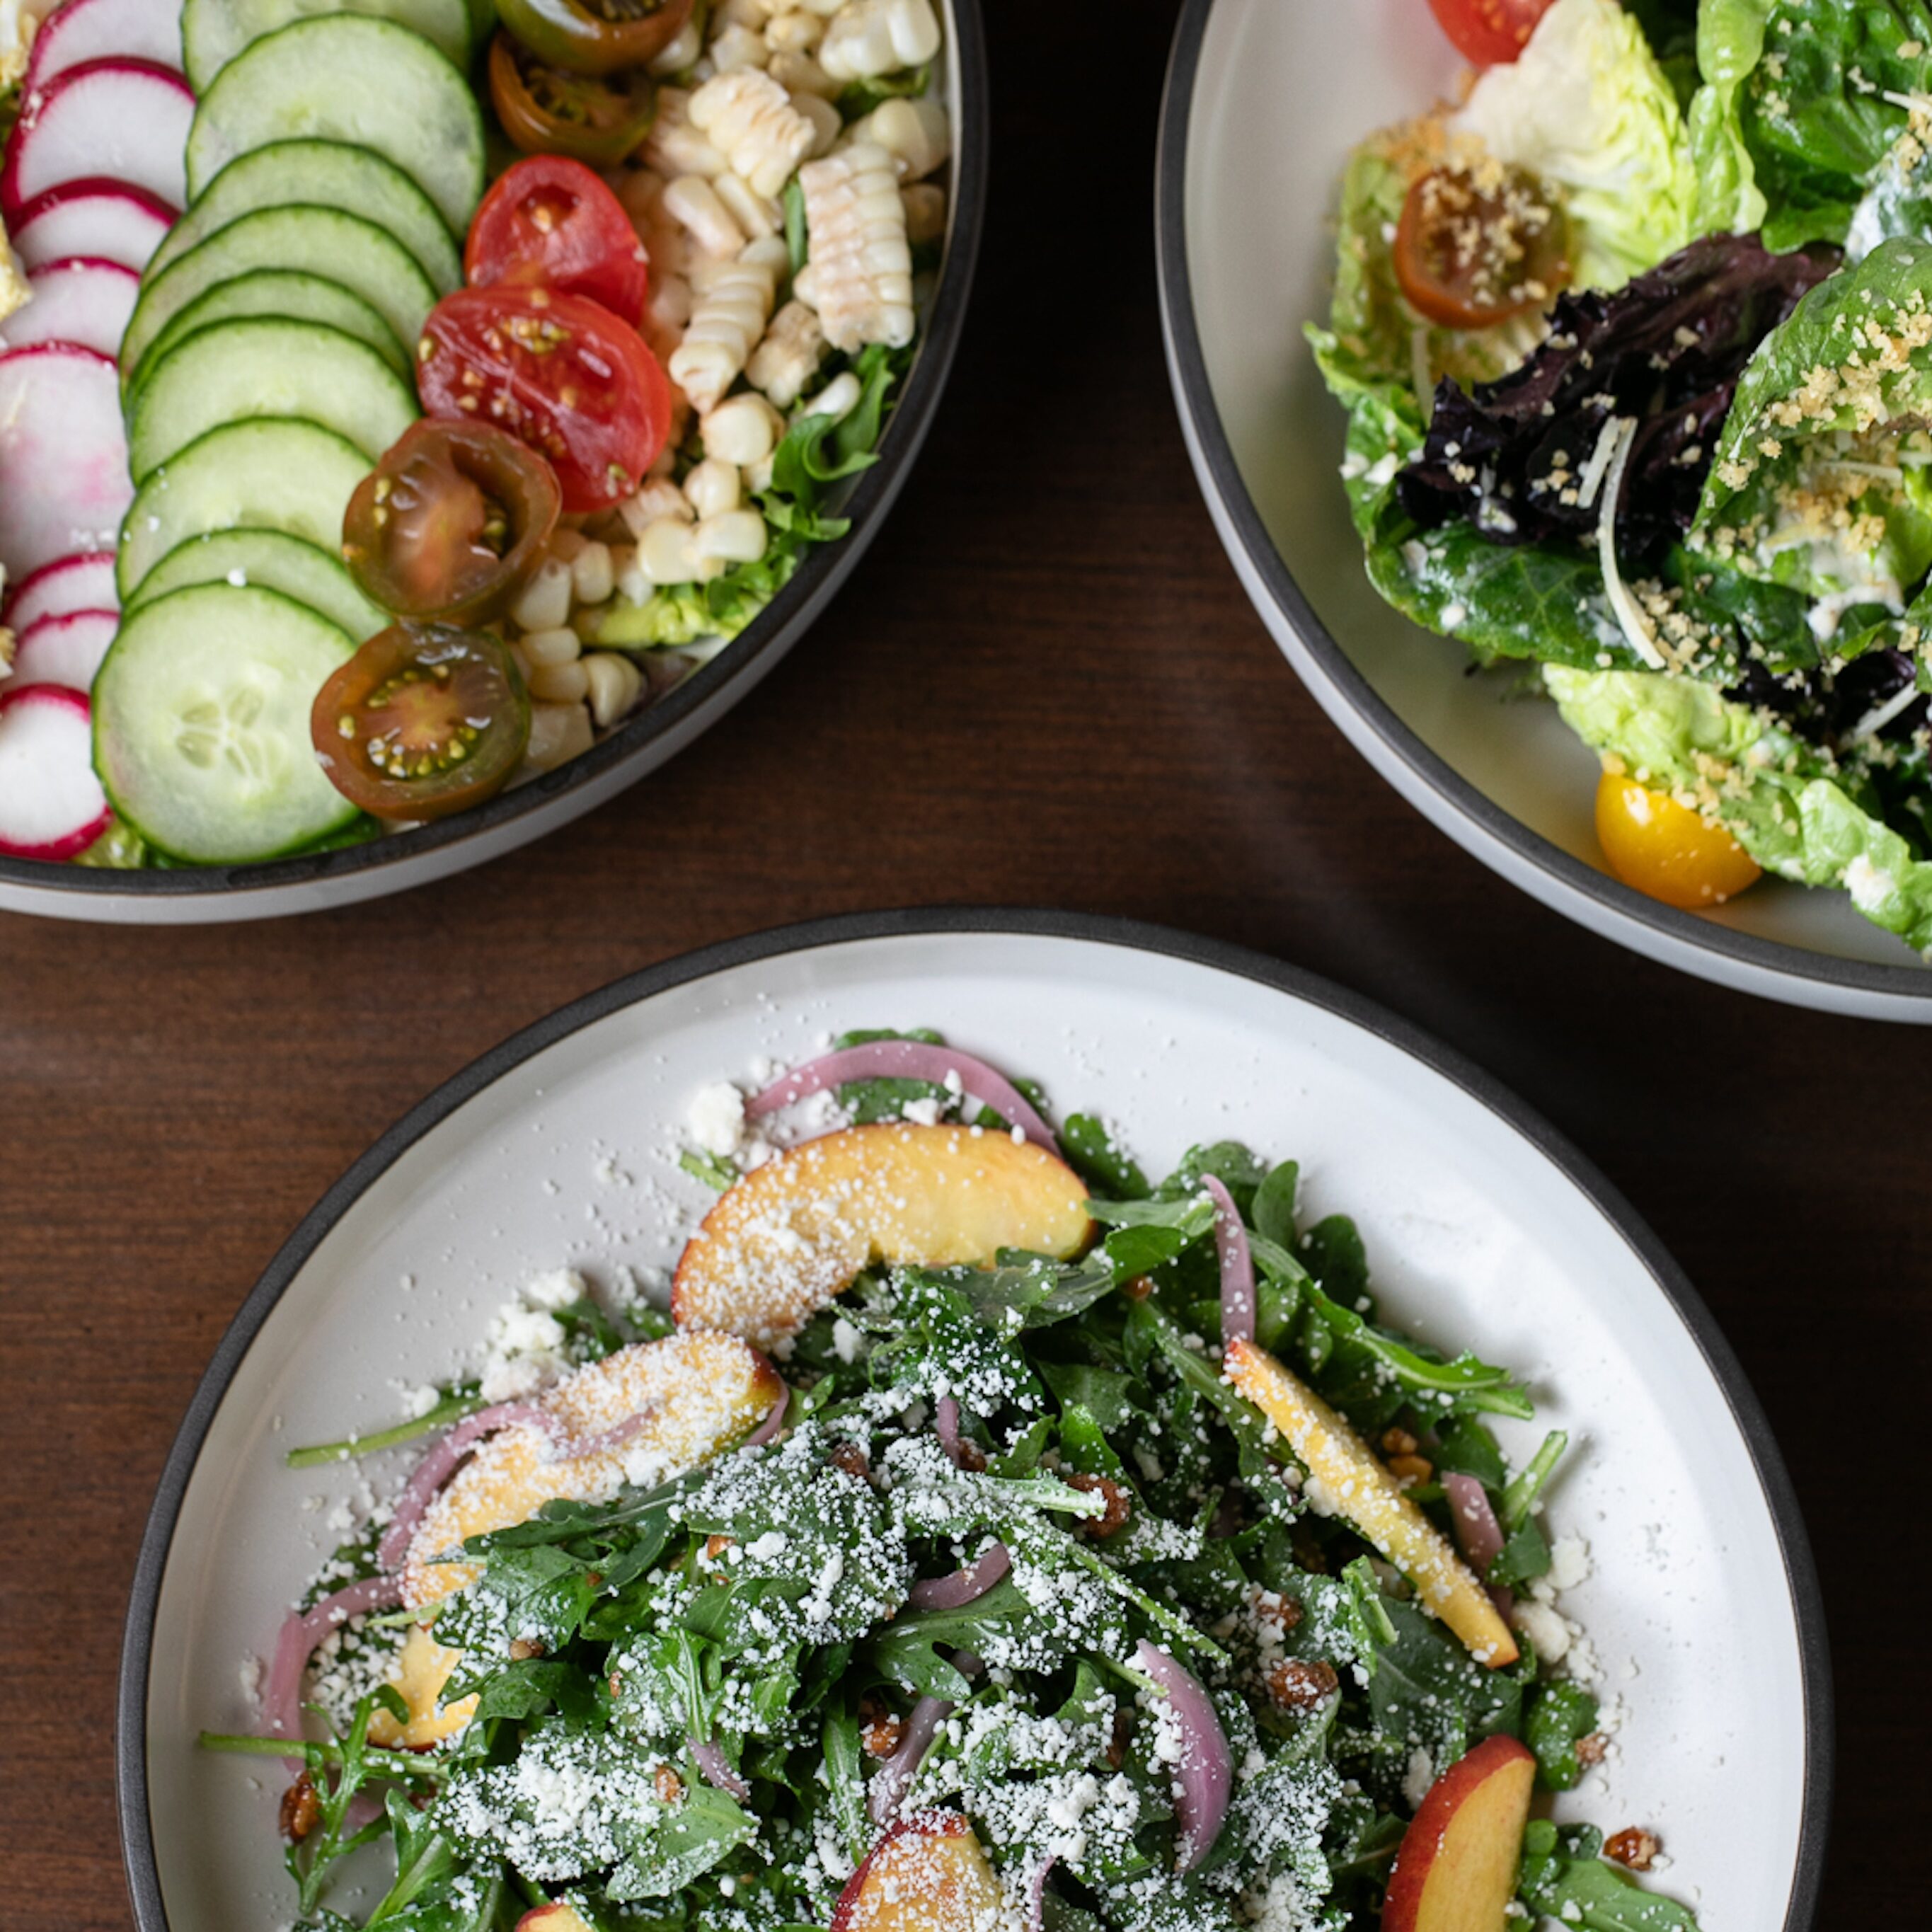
pixel 1635 341
pixel 988 1537
pixel 396 396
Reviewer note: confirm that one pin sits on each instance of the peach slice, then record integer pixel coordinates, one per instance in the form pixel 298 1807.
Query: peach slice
pixel 786 1239
pixel 929 1873
pixel 1364 1492
pixel 1455 1870
pixel 691 1397
pixel 559 1915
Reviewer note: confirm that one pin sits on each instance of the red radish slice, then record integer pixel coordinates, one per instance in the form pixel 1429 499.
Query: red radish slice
pixel 64 482
pixel 100 219
pixel 82 302
pixel 92 30
pixel 127 119
pixel 51 804
pixel 65 650
pixel 83 582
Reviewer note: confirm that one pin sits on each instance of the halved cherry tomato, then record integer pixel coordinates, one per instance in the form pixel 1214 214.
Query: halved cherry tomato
pixel 550 221
pixel 1489 31
pixel 560 373
pixel 451 523
pixel 594 36
pixel 546 111
pixel 1665 849
pixel 1474 250
pixel 422 720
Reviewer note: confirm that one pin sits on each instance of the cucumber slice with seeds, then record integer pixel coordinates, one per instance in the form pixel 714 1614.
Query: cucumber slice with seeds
pixel 214 31
pixel 265 474
pixel 201 724
pixel 321 174
pixel 344 77
pixel 265 366
pixel 278 292
pixel 273 560
pixel 365 260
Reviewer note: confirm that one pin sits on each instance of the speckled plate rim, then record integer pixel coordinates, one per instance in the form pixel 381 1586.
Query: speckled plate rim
pixel 310 881
pixel 1482 828
pixel 1748 1417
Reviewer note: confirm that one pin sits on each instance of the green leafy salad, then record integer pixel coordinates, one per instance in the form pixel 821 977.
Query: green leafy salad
pixel 1127 1573
pixel 1636 345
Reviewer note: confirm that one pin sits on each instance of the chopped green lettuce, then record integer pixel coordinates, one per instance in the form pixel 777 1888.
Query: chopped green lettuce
pixel 1587 106
pixel 1787 803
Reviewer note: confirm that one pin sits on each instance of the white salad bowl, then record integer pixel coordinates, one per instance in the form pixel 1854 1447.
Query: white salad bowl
pixel 1265 99
pixel 308 882
pixel 1483 1228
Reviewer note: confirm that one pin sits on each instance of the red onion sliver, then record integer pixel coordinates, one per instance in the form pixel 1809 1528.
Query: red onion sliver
pixel 962 1586
pixel 1237 1264
pixel 717 1770
pixel 946 1426
pixel 302 1631
pixel 438 1464
pixel 908 1059
pixel 767 1431
pixel 1037 1894
pixel 890 1783
pixel 1205 1773
pixel 1477 1529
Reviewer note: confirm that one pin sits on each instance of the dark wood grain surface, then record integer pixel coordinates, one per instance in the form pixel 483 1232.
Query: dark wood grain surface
pixel 1045 687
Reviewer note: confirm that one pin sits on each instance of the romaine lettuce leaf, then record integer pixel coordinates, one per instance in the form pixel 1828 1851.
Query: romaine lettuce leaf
pixel 1586 106
pixel 1787 803
pixel 1822 477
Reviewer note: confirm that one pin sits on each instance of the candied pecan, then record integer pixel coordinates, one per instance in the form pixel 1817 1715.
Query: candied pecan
pixel 1281 1613
pixel 1117 1497
pixel 1398 1442
pixel 879 1729
pixel 851 1458
pixel 1137 1289
pixel 1117 1745
pixel 1633 1846
pixel 1590 1750
pixel 616 1683
pixel 669 1786
pixel 1410 1468
pixel 1297 1686
pixel 715 1547
pixel 522 1649
pixel 301 1807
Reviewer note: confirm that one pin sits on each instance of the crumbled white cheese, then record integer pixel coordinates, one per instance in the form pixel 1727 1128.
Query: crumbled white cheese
pixel 1569 1562
pixel 716 1118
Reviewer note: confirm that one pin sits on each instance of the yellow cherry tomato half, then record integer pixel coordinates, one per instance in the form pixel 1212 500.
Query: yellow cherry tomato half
pixel 1665 849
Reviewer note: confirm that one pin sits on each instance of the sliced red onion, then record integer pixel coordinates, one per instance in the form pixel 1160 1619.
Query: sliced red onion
pixel 906 1060
pixel 1477 1529
pixel 1205 1773
pixel 717 1770
pixel 962 1586
pixel 438 1464
pixel 946 1426
pixel 893 1779
pixel 767 1431
pixel 1237 1264
pixel 302 1630
pixel 1037 1894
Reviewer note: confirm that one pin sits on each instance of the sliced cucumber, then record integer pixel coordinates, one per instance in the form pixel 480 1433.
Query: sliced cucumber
pixel 263 475
pixel 282 291
pixel 321 174
pixel 201 724
pixel 214 31
pixel 265 366
pixel 273 560
pixel 367 260
pixel 345 77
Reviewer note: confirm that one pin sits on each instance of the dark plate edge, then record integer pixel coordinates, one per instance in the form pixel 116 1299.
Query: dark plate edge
pixel 1766 959
pixel 1807 1602
pixel 773 632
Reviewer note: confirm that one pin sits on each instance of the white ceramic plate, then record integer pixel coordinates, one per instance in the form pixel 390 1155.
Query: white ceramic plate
pixel 1483 1229
pixel 1264 99
pixel 193 895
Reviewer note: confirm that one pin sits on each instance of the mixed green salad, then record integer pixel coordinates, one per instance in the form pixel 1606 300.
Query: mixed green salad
pixel 1635 344
pixel 1004 1605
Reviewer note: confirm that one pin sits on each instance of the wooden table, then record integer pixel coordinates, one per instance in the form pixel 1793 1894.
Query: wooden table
pixel 1045 687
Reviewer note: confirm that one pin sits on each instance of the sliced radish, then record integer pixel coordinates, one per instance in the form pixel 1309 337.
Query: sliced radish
pixel 64 482
pixel 92 30
pixel 84 581
pixel 98 220
pixel 51 803
pixel 127 119
pixel 66 650
pixel 79 301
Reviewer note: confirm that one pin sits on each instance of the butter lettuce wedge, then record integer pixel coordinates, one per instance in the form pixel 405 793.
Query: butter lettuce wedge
pixel 1785 801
